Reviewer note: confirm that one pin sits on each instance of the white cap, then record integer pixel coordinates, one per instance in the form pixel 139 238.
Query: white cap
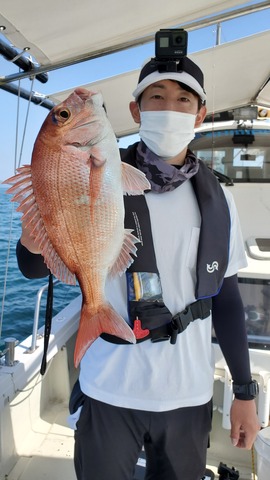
pixel 193 77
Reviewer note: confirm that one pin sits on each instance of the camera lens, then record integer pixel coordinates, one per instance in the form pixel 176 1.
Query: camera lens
pixel 178 40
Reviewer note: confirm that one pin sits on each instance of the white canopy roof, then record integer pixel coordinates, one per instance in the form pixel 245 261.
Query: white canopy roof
pixel 57 30
pixel 234 74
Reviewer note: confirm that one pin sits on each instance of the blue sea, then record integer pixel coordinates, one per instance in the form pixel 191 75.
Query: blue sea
pixel 18 294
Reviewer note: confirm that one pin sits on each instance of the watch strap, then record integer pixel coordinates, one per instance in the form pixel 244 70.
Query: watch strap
pixel 249 391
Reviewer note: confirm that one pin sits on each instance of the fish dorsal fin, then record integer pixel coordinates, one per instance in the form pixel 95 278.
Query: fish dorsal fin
pixel 124 259
pixel 133 180
pixel 22 190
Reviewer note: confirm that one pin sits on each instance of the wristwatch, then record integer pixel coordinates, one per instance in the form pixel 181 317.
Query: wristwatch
pixel 249 391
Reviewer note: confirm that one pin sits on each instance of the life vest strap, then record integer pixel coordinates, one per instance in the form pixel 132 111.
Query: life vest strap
pixel 200 309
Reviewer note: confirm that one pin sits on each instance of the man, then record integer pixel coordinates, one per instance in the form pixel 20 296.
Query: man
pixel 157 394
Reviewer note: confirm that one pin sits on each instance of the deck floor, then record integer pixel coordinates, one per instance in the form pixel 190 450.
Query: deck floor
pixel 47 454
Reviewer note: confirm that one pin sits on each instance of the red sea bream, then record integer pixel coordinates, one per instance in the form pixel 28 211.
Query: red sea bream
pixel 71 197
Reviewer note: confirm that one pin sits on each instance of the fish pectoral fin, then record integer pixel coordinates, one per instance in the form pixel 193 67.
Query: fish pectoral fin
pixel 124 259
pixel 105 320
pixel 133 180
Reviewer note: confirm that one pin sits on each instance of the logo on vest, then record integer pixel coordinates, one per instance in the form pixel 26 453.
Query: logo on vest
pixel 213 267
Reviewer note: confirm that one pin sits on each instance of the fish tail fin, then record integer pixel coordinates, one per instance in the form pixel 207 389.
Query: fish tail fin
pixel 105 320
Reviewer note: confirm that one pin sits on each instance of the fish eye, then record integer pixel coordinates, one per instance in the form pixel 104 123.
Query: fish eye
pixel 65 113
pixel 60 115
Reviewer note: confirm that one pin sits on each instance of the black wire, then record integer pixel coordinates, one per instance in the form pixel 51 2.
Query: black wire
pixel 48 324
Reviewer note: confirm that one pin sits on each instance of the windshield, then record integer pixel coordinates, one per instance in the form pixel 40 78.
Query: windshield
pixel 242 156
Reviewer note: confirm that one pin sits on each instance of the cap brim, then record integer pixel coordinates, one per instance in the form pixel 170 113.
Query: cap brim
pixel 182 77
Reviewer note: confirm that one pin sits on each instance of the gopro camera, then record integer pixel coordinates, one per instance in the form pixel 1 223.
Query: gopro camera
pixel 171 44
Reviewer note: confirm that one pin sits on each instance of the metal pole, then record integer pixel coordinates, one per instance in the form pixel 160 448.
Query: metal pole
pixel 22 62
pixel 35 98
pixel 218 34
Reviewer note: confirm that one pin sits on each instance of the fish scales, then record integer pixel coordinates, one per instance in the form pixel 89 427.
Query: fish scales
pixel 72 203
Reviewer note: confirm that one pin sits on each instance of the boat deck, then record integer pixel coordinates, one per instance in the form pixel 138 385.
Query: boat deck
pixel 35 440
pixel 47 452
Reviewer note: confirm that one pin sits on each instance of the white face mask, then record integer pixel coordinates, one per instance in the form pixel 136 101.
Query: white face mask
pixel 167 133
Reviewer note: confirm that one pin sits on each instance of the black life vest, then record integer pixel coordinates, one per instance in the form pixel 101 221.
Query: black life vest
pixel 212 259
pixel 213 250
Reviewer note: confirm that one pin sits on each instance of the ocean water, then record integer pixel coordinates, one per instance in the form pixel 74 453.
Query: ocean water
pixel 18 294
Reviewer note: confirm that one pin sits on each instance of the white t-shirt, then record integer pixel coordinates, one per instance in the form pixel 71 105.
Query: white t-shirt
pixel 160 376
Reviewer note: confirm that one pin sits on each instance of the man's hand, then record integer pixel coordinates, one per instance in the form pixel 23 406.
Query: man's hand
pixel 244 423
pixel 27 241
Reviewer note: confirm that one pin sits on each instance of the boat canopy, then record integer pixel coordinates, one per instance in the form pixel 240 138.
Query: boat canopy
pixel 57 34
pixel 60 30
pixel 236 74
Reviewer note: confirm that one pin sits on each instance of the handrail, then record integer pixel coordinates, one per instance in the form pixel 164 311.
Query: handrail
pixel 36 316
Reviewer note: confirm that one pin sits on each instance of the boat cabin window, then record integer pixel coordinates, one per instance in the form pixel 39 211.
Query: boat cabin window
pixel 223 151
pixel 255 294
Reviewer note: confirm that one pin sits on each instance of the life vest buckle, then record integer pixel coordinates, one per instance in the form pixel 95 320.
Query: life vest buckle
pixel 180 322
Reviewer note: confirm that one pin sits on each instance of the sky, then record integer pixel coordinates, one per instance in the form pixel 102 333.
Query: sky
pixel 70 77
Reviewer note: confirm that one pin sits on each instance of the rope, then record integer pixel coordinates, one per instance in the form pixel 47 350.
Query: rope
pixel 49 307
pixel 16 165
pixel 253 468
pixel 25 123
pixel 213 94
pixel 6 273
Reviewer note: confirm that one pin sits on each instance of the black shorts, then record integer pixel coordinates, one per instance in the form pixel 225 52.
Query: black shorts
pixel 109 439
